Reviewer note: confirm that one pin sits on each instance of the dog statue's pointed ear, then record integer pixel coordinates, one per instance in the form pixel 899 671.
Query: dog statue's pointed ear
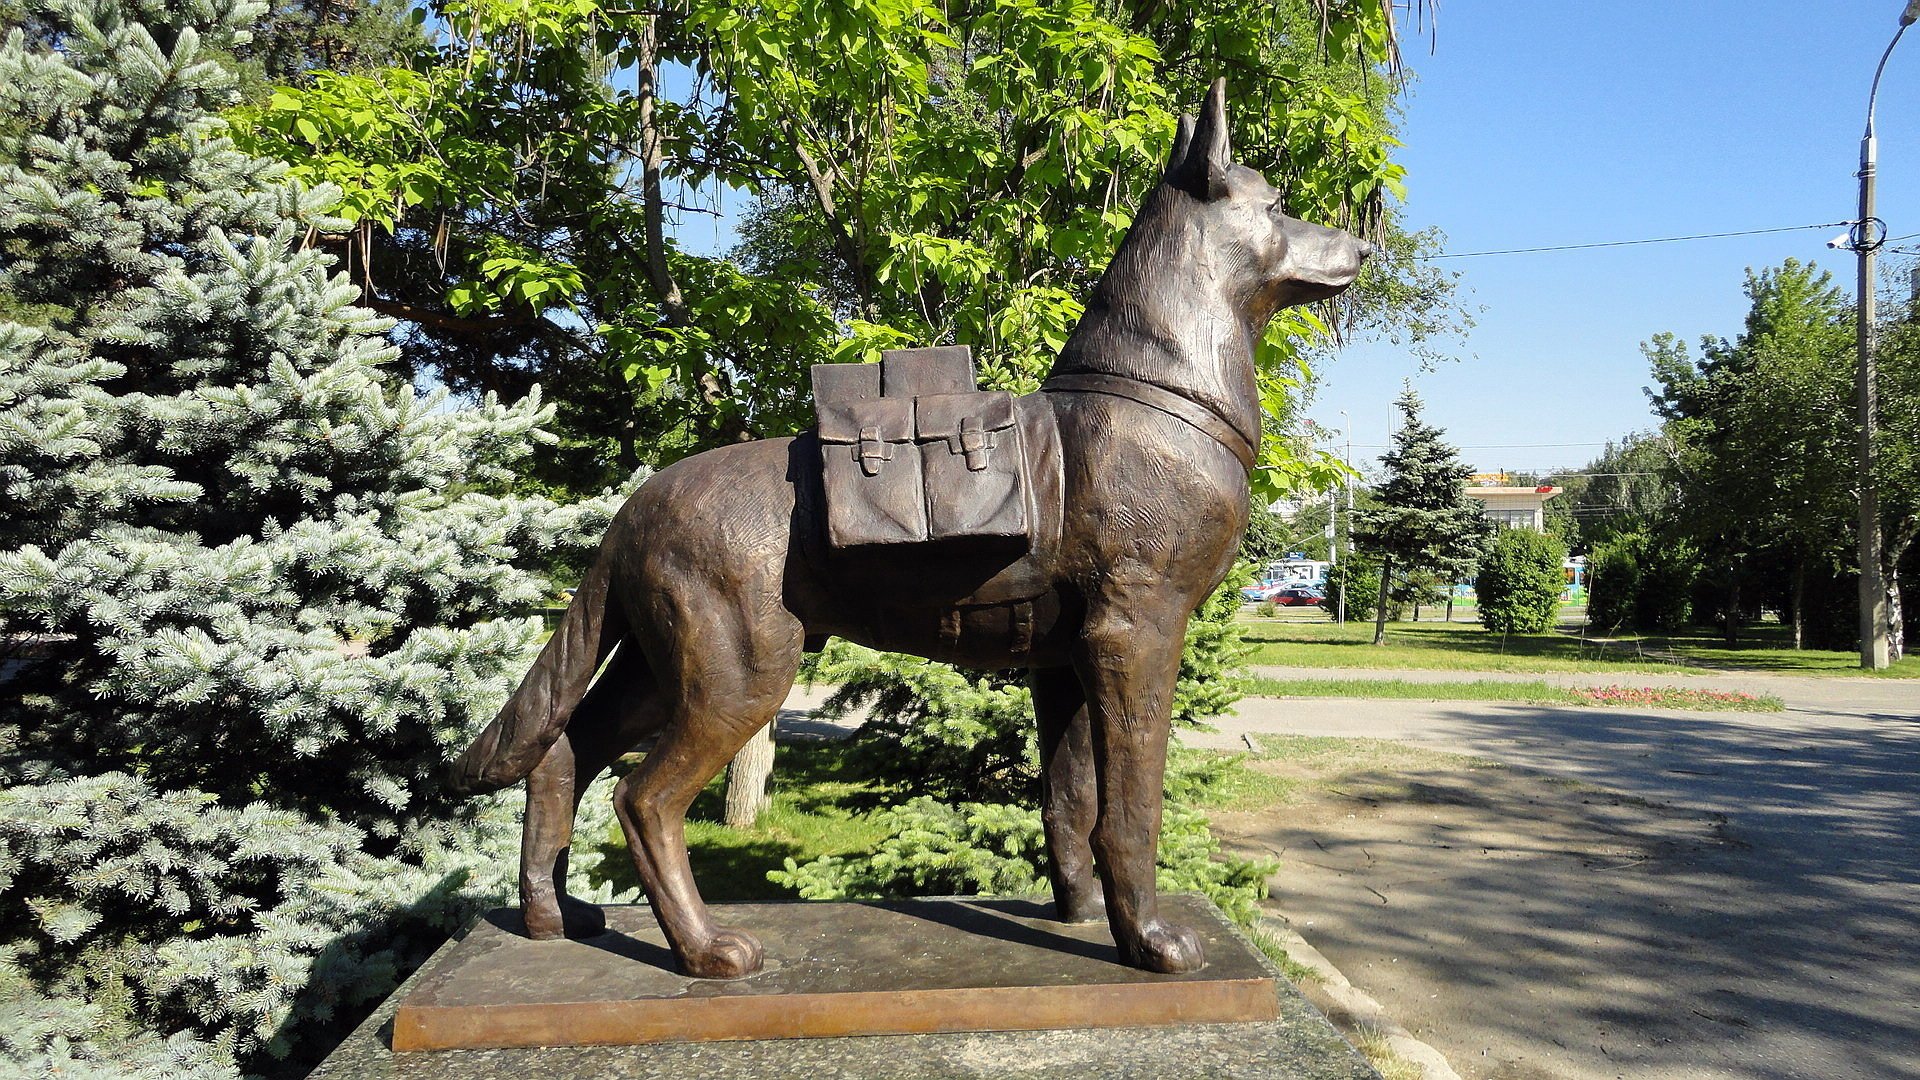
pixel 1182 139
pixel 1201 154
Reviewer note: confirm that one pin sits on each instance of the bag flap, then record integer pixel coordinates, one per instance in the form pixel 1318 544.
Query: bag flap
pixel 944 369
pixel 845 382
pixel 843 421
pixel 941 416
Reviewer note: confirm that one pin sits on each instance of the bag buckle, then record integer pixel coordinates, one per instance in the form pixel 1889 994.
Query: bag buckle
pixel 872 451
pixel 973 441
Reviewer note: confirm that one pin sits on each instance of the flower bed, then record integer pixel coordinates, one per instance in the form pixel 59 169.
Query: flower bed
pixel 1677 697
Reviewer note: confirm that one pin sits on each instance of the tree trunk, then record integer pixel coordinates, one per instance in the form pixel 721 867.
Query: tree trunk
pixel 1733 610
pixel 1380 613
pixel 673 303
pixel 747 777
pixel 1449 605
pixel 1799 603
pixel 1893 552
pixel 1896 619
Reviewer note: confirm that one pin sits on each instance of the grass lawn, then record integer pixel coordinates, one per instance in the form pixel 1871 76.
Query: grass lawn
pixel 1466 647
pixel 1287 768
pixel 1534 693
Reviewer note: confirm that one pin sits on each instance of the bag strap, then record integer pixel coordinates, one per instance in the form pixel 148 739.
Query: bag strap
pixel 1166 401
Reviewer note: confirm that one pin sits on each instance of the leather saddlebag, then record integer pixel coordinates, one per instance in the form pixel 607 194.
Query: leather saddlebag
pixel 873 477
pixel 975 476
pixel 910 452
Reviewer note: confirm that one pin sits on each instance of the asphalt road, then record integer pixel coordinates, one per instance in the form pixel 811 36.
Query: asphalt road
pixel 1785 944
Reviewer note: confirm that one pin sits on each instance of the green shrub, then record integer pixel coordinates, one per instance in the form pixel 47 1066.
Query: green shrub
pixel 1668 572
pixel 1520 582
pixel 1613 580
pixel 933 849
pixel 1640 582
pixel 1359 575
pixel 962 743
pixel 934 729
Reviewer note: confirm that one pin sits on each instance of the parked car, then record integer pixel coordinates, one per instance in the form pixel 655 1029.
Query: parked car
pixel 1256 591
pixel 1296 595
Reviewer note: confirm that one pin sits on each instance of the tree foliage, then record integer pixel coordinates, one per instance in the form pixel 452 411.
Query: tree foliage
pixel 261 585
pixel 913 173
pixel 1761 433
pixel 1641 581
pixel 1629 483
pixel 1766 422
pixel 1421 519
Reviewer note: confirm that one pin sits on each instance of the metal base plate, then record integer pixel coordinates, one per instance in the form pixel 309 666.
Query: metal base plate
pixel 832 969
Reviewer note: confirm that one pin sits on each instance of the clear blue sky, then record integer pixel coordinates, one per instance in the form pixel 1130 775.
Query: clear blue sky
pixel 1543 123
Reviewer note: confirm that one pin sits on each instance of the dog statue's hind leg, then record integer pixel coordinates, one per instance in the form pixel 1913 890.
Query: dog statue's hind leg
pixel 621 709
pixel 1069 793
pixel 725 661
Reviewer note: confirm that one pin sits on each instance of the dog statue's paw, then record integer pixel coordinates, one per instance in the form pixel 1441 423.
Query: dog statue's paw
pixel 1165 947
pixel 728 954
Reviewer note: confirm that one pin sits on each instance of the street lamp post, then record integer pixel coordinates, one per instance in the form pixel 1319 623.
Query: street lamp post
pixel 1868 233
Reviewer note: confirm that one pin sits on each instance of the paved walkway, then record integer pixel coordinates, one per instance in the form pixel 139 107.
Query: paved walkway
pixel 1746 907
pixel 1772 930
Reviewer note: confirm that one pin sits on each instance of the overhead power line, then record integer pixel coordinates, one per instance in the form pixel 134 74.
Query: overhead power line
pixel 1500 446
pixel 1632 243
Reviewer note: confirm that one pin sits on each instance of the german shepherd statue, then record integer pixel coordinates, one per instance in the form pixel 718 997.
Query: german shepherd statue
pixel 713 580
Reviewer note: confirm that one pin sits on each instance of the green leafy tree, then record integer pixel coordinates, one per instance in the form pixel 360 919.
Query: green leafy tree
pixel 1520 582
pixel 916 173
pixel 1422 519
pixel 1642 581
pixel 1628 486
pixel 259 583
pixel 1765 418
pixel 1898 462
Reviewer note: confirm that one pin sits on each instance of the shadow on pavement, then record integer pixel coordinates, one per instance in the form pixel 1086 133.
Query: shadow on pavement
pixel 1747 906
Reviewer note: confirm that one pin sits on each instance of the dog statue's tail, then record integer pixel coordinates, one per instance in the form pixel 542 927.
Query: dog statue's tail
pixel 533 718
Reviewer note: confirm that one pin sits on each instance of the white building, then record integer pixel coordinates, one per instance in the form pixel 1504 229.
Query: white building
pixel 1514 507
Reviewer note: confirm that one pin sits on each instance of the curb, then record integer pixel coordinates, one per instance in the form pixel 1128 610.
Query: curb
pixel 1352 1009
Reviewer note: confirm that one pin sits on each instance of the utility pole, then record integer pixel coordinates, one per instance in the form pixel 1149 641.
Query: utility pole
pixel 1346 459
pixel 1868 234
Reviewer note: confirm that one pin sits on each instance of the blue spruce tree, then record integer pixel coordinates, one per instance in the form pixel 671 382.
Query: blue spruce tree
pixel 253 586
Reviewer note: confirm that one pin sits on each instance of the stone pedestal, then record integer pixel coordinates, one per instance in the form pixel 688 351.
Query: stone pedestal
pixel 923 988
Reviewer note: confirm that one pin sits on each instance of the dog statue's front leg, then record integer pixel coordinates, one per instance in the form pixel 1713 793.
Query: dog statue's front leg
pixel 1128 659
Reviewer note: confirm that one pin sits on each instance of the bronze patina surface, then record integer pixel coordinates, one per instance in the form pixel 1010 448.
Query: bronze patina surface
pixel 906 967
pixel 722 569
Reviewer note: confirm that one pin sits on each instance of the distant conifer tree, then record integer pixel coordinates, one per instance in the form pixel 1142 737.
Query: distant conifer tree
pixel 252 586
pixel 1423 518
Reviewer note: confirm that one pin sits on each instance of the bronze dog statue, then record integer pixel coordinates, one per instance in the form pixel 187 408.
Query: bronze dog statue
pixel 713 579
